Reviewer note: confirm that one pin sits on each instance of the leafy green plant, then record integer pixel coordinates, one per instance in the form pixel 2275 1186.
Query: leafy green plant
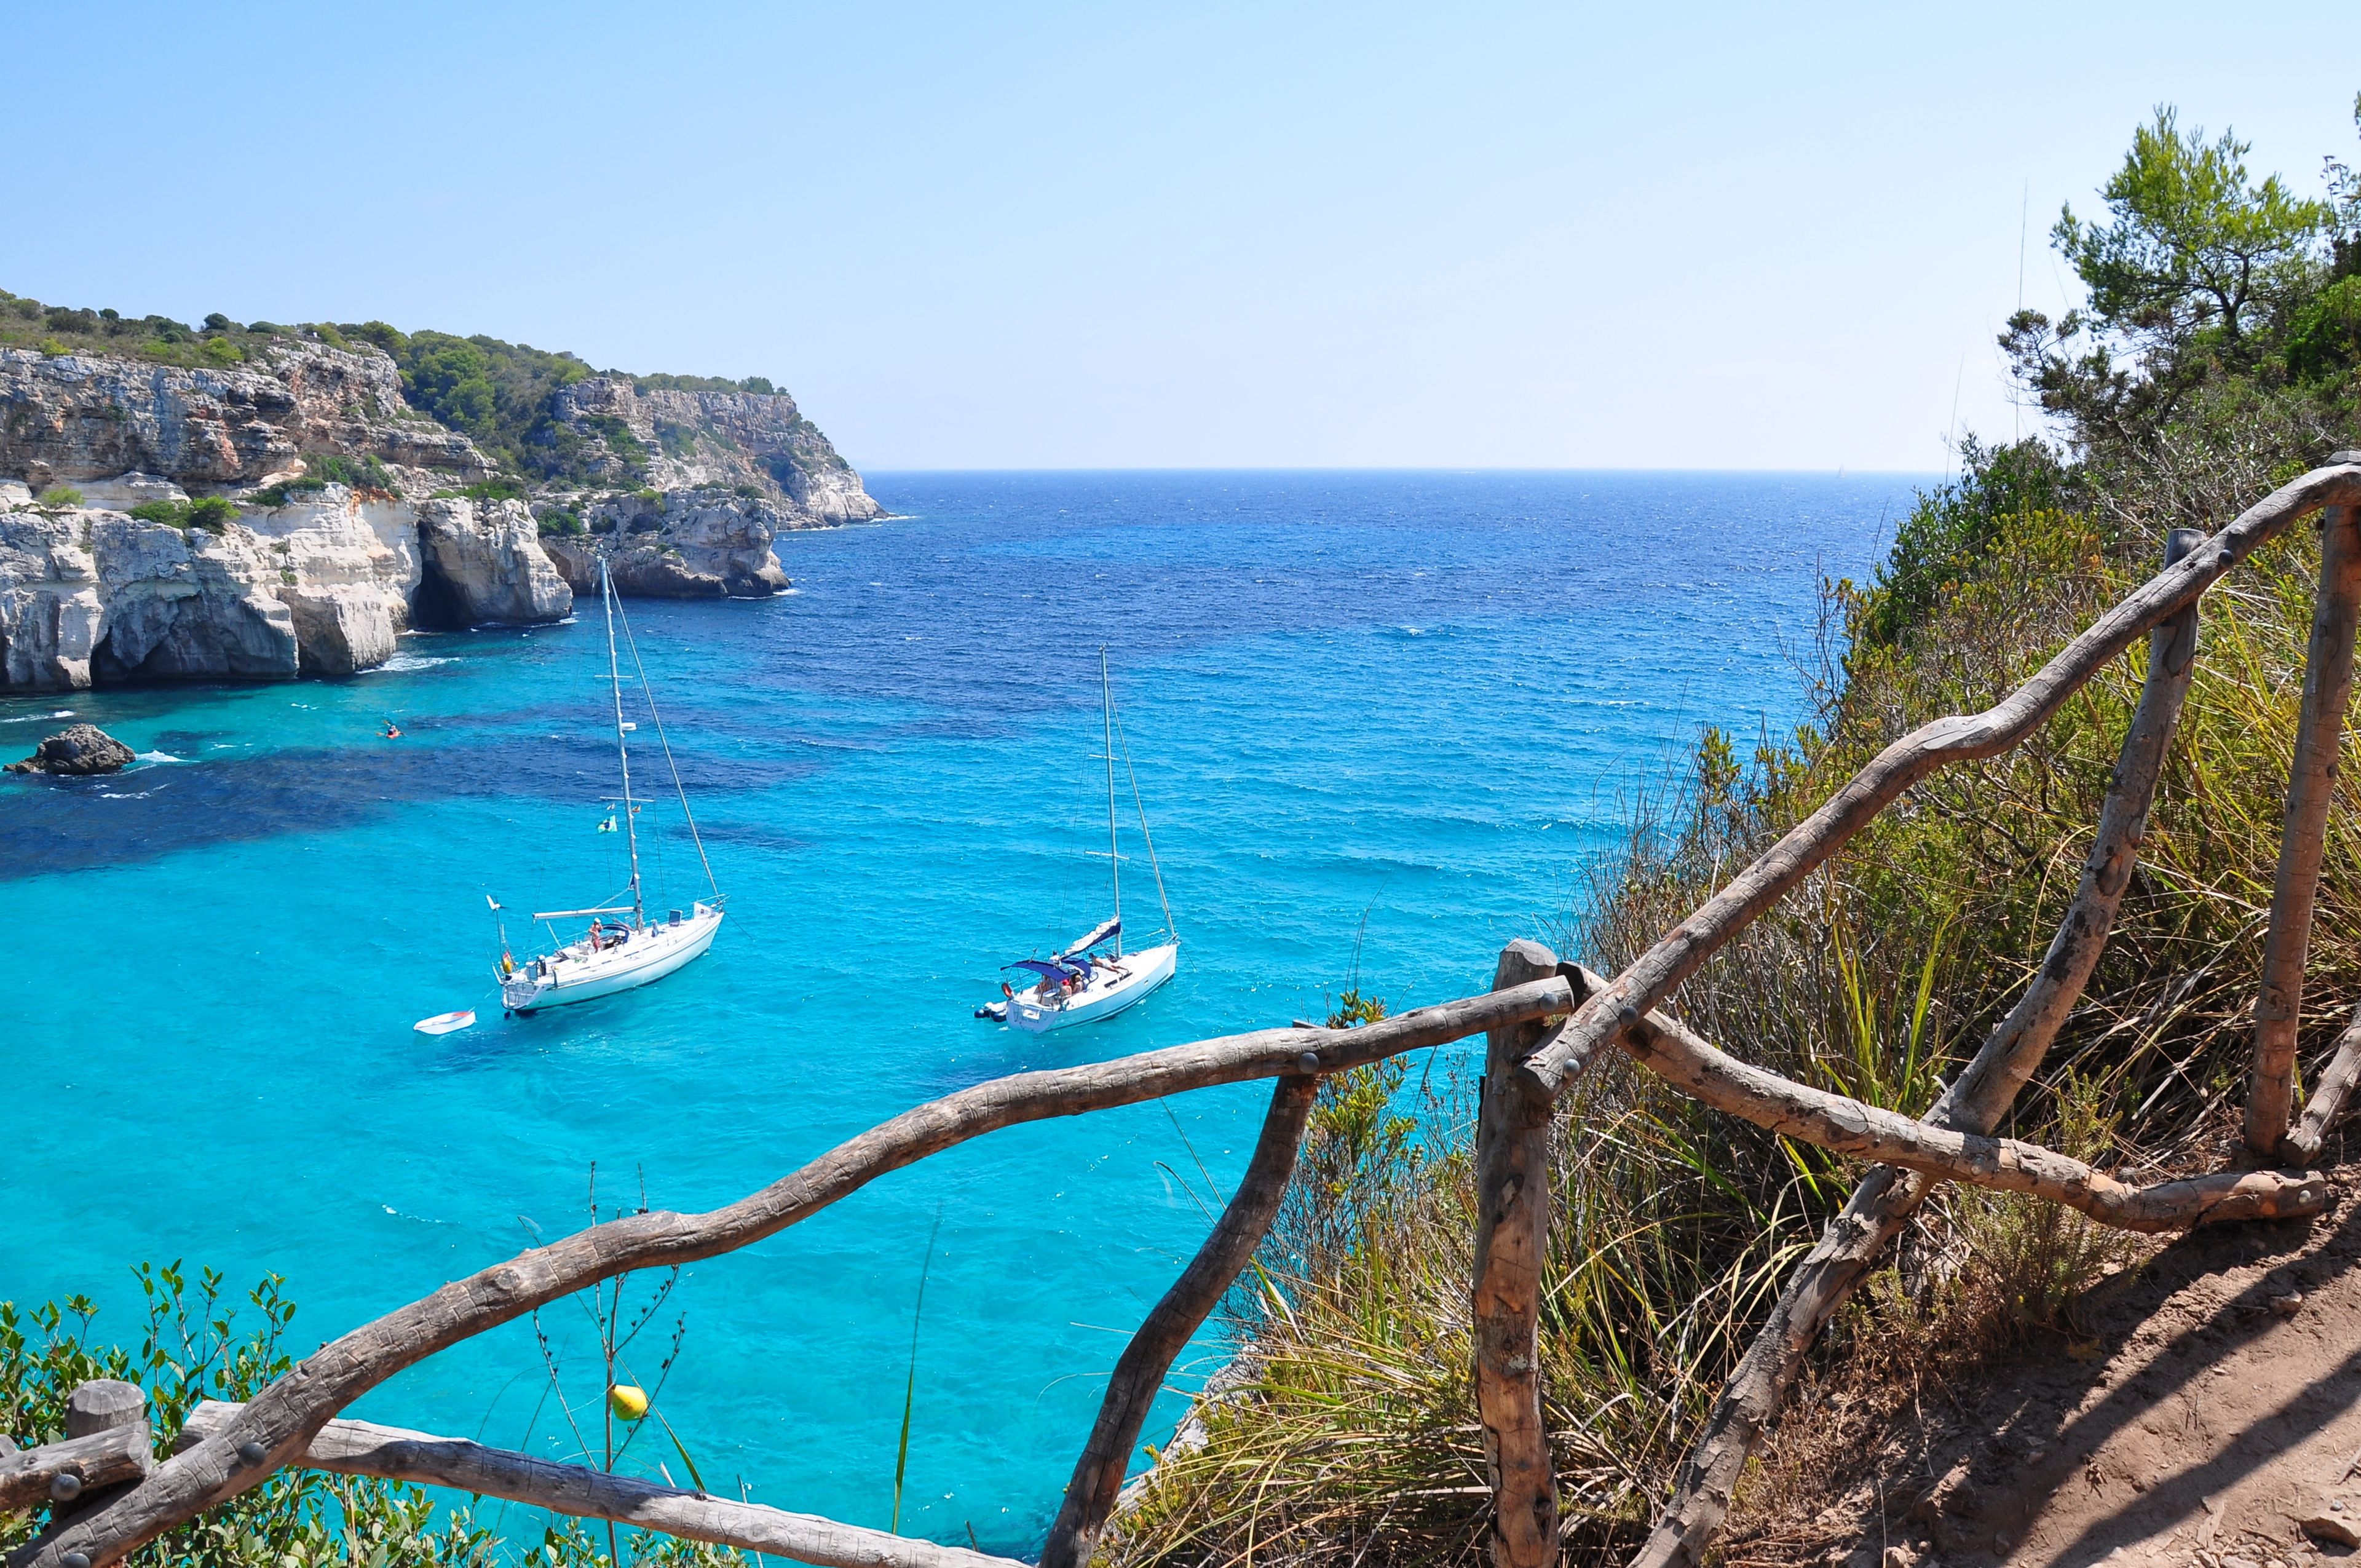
pixel 60 498
pixel 212 513
pixel 279 495
pixel 364 472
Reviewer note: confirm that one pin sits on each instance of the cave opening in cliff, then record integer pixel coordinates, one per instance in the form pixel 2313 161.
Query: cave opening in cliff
pixel 436 604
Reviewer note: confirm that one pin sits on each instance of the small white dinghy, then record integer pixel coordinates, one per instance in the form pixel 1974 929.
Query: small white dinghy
pixel 628 950
pixel 445 1023
pixel 1094 978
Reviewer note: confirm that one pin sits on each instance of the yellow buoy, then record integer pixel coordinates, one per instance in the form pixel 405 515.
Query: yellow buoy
pixel 627 1401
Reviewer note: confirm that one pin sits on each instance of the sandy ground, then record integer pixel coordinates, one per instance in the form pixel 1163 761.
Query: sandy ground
pixel 2218 1408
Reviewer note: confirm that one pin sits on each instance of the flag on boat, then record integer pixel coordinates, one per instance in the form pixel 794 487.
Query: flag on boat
pixel 608 826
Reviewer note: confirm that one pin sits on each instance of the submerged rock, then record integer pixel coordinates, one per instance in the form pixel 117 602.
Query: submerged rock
pixel 76 750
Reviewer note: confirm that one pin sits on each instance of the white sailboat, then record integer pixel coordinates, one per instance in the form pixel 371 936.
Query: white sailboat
pixel 1094 978
pixel 629 949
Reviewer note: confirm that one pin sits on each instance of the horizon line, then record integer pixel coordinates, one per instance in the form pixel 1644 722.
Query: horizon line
pixel 1838 472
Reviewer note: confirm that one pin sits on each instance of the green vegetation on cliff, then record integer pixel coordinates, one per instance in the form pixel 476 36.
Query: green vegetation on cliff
pixel 2216 358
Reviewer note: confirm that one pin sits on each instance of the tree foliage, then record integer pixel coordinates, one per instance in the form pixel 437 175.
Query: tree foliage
pixel 2199 277
pixel 2194 245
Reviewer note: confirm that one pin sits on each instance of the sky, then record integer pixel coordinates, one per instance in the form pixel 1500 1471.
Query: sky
pixel 1126 235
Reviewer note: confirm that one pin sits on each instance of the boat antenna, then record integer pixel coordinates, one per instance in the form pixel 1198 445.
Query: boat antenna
pixel 623 749
pixel 661 739
pixel 1147 837
pixel 1114 851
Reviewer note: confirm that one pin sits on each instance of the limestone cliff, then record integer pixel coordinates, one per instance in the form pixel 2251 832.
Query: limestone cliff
pixel 75 417
pixel 321 585
pixel 296 512
pixel 671 440
pixel 701 543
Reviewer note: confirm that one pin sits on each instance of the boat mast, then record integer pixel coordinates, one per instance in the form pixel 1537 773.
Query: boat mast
pixel 1115 849
pixel 623 751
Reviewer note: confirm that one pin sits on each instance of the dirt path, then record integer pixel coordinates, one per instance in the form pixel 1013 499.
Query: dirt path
pixel 2219 1406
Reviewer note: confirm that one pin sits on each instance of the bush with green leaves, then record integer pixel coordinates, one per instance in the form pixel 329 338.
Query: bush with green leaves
pixel 195 1340
pixel 212 513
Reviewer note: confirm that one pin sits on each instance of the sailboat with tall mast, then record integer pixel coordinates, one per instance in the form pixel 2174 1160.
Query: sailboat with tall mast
pixel 1094 978
pixel 624 949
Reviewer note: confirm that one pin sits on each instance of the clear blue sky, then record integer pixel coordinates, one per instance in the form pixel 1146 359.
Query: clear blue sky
pixel 1122 236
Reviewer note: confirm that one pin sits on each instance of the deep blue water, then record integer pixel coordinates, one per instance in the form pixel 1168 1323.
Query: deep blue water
pixel 1413 699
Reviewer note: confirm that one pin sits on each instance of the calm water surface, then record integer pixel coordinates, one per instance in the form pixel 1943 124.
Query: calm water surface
pixel 1410 700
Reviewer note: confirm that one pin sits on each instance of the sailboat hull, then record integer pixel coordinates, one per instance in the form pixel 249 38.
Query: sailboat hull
pixel 1143 973
pixel 574 975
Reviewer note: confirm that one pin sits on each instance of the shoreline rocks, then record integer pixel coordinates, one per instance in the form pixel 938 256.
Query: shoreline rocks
pixel 77 750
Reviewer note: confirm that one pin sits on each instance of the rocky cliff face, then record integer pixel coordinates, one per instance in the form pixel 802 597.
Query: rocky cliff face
pixel 702 543
pixel 75 417
pixel 674 440
pixel 91 595
pixel 335 515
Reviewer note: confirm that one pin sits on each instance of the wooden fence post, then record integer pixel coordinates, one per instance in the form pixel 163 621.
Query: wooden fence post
pixel 1139 1377
pixel 103 1404
pixel 1975 1101
pixel 1512 1133
pixel 2311 782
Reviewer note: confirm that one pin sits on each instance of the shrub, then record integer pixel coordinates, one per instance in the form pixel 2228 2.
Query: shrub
pixel 365 472
pixel 199 1341
pixel 275 496
pixel 60 498
pixel 53 348
pixel 220 351
pixel 212 513
pixel 559 522
pixel 498 487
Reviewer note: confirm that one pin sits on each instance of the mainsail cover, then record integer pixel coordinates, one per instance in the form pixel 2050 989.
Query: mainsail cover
pixel 1106 933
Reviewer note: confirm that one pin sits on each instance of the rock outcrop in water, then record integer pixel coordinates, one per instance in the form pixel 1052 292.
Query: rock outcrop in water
pixel 286 511
pixel 700 543
pixel 78 748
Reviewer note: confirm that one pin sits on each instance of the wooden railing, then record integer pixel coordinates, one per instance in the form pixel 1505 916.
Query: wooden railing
pixel 1545 1022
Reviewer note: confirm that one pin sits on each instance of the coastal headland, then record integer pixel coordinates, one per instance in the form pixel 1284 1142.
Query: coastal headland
pixel 263 502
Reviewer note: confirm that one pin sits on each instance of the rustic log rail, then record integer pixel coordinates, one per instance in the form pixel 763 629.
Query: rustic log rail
pixel 391 1453
pixel 1547 1021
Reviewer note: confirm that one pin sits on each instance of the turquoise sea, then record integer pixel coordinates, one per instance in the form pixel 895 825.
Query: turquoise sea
pixel 1390 713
